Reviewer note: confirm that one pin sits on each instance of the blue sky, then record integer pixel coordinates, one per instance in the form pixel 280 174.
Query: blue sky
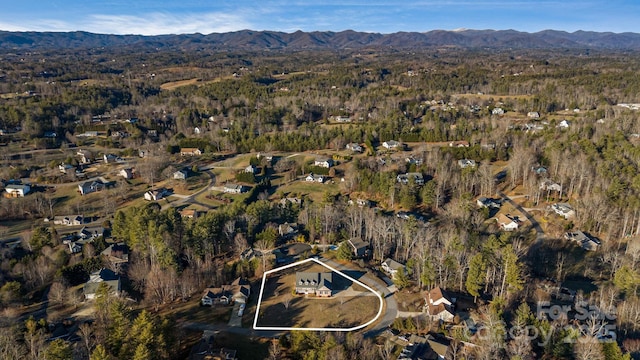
pixel 206 16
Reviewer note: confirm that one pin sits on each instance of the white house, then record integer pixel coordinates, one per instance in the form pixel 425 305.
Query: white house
pixel 418 178
pixel 392 267
pixel 497 111
pixel 190 152
pixel 314 178
pixel 465 163
pixel 507 222
pixel 564 124
pixel 181 174
pixel 154 195
pixel 533 114
pixel 549 185
pixel 17 190
pixel 109 158
pixel 563 209
pixel 126 173
pixel 392 144
pixel 355 147
pixel 324 162
pixel 234 189
pixel 64 167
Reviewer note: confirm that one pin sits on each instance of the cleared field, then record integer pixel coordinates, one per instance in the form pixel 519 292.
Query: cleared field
pixel 315 190
pixel 195 81
pixel 491 96
pixel 176 84
pixel 348 307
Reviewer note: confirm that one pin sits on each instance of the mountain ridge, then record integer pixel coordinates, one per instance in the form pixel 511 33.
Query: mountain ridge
pixel 318 40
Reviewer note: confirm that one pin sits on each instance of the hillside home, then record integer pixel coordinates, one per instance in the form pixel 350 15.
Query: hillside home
pixel 288 230
pixel 323 162
pixel 533 114
pixel 64 167
pixel 583 240
pixel 190 152
pixel 181 174
pixel 359 247
pixel 313 283
pixel 91 187
pixel 439 305
pixel 126 173
pixel 234 188
pixel 155 195
pixel 484 202
pixel 101 276
pixel 69 220
pixel 355 147
pixel 17 190
pixel 109 158
pixel 314 178
pixel 392 267
pixel 85 156
pixel 465 163
pixel 549 185
pixel 238 291
pixel 507 222
pixel 251 169
pixel 116 253
pixel 461 143
pixel 392 145
pixel 404 179
pixel 563 209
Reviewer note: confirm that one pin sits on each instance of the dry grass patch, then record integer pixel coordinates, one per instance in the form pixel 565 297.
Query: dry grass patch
pixel 347 308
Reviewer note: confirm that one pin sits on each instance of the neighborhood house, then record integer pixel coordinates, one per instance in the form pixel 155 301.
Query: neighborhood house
pixel 318 284
pixel 507 222
pixel 101 276
pixel 439 305
pixel 17 190
pixel 392 267
pixel 238 291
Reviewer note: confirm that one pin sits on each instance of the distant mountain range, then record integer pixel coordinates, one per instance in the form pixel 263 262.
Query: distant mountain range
pixel 262 40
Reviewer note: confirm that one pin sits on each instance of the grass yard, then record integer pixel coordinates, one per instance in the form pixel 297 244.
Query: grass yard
pixel 191 311
pixel 315 190
pixel 346 308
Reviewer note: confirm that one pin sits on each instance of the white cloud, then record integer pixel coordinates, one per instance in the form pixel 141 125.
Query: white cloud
pixel 151 24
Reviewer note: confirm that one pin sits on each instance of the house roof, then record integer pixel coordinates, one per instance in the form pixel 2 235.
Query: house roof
pixel 358 243
pixel 504 219
pixel 392 264
pixel 314 280
pixel 437 293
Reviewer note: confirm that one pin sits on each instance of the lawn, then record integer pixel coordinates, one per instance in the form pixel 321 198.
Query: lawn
pixel 347 308
pixel 315 190
pixel 192 311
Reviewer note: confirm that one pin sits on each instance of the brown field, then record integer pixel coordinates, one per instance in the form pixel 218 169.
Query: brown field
pixel 347 308
pixel 195 81
pixel 491 96
pixel 176 84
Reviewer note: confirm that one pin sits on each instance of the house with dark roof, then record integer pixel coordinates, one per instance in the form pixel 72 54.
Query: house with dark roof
pixel 207 349
pixel 392 267
pixel 101 276
pixel 117 253
pixel 17 190
pixel 417 177
pixel 89 187
pixel 238 291
pixel 314 283
pixel 234 188
pixel 359 247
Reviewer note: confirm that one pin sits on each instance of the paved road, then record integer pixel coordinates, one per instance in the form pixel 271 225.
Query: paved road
pixel 390 313
pixel 534 223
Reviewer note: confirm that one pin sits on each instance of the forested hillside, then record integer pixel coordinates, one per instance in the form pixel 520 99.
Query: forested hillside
pixel 482 136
